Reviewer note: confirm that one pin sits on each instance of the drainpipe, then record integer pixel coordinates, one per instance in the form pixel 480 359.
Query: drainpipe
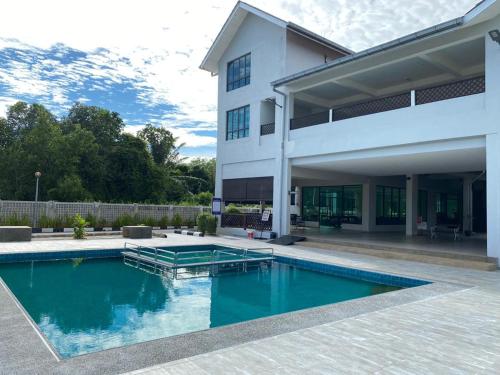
pixel 282 153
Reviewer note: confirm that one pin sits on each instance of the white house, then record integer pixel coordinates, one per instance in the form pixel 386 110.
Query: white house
pixel 400 137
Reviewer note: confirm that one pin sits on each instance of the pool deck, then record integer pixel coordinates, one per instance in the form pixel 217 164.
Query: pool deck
pixel 449 327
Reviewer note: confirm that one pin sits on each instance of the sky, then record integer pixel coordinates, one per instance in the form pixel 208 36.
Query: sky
pixel 140 58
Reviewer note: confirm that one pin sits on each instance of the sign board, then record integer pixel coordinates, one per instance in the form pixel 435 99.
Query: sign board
pixel 265 215
pixel 216 206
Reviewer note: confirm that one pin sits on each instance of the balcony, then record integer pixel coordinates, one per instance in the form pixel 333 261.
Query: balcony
pixel 406 99
pixel 266 129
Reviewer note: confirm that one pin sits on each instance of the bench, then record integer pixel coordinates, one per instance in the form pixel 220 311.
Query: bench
pixel 15 234
pixel 137 231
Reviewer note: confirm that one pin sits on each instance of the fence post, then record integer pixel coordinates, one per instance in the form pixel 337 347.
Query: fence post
pixel 50 210
pixel 412 98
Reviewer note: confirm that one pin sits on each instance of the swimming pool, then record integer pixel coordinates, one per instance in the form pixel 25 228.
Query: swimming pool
pixel 85 305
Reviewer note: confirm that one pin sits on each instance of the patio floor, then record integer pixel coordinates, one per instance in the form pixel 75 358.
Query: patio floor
pixel 444 243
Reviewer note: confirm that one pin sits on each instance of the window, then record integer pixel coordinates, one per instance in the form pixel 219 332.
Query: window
pixel 448 209
pixel 238 72
pixel 332 205
pixel 292 196
pixel 422 204
pixel 238 123
pixel 391 205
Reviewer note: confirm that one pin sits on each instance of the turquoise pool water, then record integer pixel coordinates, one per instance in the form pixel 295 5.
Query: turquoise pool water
pixel 84 306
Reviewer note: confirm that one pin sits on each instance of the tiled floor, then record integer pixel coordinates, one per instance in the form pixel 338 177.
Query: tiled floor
pixel 452 333
pixel 474 245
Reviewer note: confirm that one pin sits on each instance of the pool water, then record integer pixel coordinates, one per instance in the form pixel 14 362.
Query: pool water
pixel 83 306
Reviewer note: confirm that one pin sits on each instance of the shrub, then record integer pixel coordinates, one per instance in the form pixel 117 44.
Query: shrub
pixel 232 209
pixel 149 221
pixel 207 223
pixel 177 221
pixel 15 220
pixel 45 222
pixel 190 222
pixel 124 220
pixel 79 225
pixel 163 222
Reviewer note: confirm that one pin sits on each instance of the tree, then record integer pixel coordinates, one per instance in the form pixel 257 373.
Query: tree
pixel 105 125
pixel 162 145
pixel 69 189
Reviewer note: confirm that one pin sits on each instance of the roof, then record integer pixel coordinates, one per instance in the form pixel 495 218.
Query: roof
pixel 234 21
pixel 476 14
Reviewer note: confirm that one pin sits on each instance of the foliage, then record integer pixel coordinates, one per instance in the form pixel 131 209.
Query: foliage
pixel 86 156
pixel 79 225
pixel 177 221
pixel 162 144
pixel 95 222
pixel 124 220
pixel 149 221
pixel 15 220
pixel 163 222
pixel 232 209
pixel 207 223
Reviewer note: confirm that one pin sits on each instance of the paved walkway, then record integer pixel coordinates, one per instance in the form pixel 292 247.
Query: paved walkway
pixel 452 333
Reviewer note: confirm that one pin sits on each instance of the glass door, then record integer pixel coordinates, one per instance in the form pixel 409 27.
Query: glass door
pixel 330 206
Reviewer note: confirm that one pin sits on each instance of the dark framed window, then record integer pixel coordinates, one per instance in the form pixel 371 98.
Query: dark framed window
pixel 238 72
pixel 332 205
pixel 391 205
pixel 448 209
pixel 238 123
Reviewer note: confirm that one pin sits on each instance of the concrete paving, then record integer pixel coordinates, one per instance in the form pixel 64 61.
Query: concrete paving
pixel 454 331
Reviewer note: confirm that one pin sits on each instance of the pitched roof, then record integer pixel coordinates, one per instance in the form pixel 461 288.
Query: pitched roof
pixel 234 21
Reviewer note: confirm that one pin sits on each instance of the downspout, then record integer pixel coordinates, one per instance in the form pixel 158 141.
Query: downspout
pixel 282 152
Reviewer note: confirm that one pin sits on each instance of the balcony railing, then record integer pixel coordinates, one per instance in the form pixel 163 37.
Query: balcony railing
pixel 266 129
pixel 246 221
pixel 374 106
pixel 451 90
pixel 310 120
pixel 421 96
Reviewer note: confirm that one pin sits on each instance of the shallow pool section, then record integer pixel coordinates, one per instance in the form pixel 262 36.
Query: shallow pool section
pixel 87 305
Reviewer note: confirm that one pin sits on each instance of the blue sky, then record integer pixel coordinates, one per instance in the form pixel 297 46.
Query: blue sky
pixel 141 58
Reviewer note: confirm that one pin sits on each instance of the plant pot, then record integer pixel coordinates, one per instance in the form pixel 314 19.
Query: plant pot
pixel 98 229
pixel 116 229
pixel 58 230
pixel 36 230
pixel 164 227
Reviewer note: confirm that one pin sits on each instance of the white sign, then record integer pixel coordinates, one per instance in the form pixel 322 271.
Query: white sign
pixel 216 206
pixel 265 215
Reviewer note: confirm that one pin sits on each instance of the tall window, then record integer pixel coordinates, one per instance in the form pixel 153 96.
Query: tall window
pixel 238 72
pixel 238 123
pixel 448 209
pixel 391 205
pixel 332 205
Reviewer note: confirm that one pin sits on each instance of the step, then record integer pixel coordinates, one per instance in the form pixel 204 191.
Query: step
pixel 482 265
pixel 391 247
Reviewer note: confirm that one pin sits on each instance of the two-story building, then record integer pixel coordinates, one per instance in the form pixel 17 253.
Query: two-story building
pixel 399 138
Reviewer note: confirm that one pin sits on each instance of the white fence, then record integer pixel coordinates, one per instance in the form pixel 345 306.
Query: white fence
pixel 107 211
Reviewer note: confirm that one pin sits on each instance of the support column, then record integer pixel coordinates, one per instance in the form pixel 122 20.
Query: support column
pixel 493 194
pixel 411 204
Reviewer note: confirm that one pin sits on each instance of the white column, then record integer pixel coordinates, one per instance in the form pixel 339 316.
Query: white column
pixel 285 196
pixel 411 204
pixel 493 194
pixel 492 72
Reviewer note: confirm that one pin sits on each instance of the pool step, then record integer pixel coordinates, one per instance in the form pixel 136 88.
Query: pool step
pixel 476 262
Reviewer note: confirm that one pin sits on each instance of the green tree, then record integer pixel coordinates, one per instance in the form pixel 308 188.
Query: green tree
pixel 162 145
pixel 105 125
